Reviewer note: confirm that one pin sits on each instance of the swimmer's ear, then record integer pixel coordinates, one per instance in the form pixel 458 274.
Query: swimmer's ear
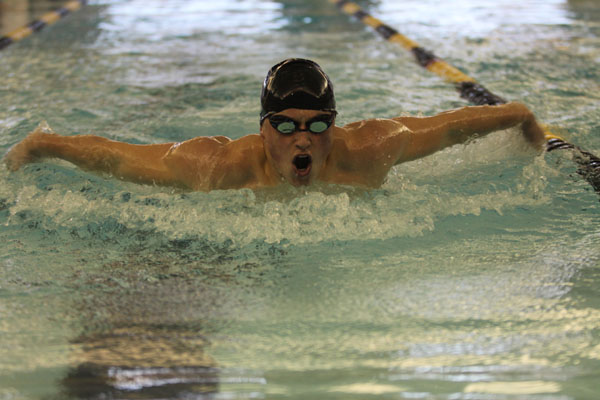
pixel 261 130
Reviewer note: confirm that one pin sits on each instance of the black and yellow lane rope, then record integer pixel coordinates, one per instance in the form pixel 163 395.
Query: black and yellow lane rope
pixel 469 88
pixel 38 24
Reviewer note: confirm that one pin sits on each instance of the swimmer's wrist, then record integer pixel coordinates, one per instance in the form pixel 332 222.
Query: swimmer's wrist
pixel 41 144
pixel 533 133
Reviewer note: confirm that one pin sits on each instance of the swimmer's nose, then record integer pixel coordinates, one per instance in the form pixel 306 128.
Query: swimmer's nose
pixel 303 141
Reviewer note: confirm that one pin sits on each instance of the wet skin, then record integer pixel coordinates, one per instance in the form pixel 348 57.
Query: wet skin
pixel 301 156
pixel 360 153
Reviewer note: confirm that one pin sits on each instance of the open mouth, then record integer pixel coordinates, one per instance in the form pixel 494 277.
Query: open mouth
pixel 302 163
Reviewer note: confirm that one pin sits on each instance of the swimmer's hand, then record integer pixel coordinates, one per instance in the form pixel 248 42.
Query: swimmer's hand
pixel 25 151
pixel 532 131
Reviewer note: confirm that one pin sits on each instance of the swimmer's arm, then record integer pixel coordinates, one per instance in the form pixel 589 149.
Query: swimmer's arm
pixel 202 163
pixel 430 134
pixel 137 163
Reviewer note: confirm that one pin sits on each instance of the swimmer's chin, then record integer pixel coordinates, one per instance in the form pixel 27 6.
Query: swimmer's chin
pixel 298 180
pixel 301 182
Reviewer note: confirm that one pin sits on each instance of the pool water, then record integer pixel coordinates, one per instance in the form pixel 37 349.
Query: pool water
pixel 470 274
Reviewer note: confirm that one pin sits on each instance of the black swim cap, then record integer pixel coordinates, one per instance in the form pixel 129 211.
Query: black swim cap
pixel 296 83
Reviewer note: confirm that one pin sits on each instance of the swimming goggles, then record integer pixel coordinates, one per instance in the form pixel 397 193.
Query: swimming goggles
pixel 288 126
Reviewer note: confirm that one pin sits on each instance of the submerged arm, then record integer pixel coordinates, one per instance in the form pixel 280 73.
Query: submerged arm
pixel 431 134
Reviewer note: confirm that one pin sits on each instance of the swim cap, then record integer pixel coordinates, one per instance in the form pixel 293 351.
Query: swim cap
pixel 296 83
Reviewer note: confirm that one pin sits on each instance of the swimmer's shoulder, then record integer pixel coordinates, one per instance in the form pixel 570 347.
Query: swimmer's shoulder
pixel 371 130
pixel 217 162
pixel 204 145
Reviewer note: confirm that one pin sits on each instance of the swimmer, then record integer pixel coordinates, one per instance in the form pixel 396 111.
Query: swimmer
pixel 298 142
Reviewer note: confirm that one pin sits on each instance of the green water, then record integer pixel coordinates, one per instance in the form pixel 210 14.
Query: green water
pixel 471 274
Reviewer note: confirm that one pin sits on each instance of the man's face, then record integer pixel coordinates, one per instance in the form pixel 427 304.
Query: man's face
pixel 299 156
